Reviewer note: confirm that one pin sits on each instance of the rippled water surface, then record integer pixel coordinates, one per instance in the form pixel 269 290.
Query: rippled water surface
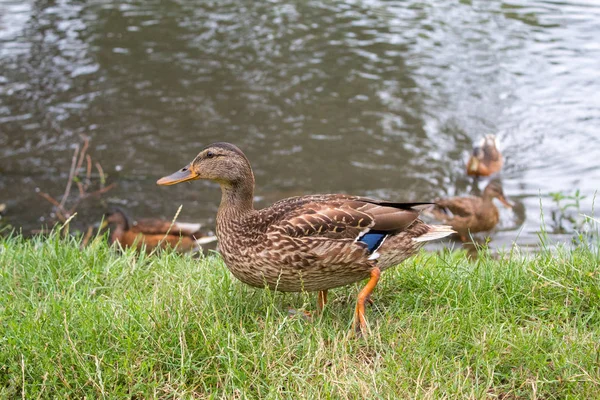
pixel 379 98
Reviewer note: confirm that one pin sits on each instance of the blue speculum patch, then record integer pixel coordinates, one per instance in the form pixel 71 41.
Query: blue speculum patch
pixel 373 239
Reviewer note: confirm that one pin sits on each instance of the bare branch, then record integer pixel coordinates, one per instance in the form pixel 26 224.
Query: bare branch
pixel 82 183
pixel 81 189
pixel 86 142
pixel 100 191
pixel 87 195
pixel 71 174
pixel 101 172
pixel 50 199
pixel 88 172
pixel 60 211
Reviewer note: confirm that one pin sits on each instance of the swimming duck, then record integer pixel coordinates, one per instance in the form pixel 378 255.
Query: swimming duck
pixel 486 159
pixel 471 214
pixel 306 243
pixel 153 233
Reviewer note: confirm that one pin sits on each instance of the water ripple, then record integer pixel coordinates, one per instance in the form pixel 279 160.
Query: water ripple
pixel 383 98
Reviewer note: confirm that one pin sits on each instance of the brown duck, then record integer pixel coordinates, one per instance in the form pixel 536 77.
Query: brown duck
pixel 471 214
pixel 151 233
pixel 307 243
pixel 486 159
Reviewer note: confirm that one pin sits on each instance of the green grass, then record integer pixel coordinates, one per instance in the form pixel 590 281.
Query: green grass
pixel 93 323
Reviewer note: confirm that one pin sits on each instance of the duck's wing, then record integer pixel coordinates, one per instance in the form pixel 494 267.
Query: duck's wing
pixel 153 226
pixel 340 217
pixel 459 206
pixel 187 228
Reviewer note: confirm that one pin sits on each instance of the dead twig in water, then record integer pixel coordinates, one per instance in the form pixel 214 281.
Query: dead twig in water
pixel 86 143
pixel 86 195
pixel 60 211
pixel 71 176
pixel 101 173
pixel 83 184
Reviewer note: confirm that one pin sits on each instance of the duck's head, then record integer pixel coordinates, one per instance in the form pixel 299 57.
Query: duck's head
pixel 115 217
pixel 494 190
pixel 485 153
pixel 490 145
pixel 220 162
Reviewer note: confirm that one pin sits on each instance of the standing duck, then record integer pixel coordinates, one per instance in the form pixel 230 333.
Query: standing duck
pixel 486 159
pixel 152 233
pixel 307 243
pixel 471 214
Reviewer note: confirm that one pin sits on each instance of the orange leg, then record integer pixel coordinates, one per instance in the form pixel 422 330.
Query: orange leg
pixel 321 300
pixel 360 323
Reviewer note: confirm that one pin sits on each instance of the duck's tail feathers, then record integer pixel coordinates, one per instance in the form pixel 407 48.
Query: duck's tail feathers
pixel 435 232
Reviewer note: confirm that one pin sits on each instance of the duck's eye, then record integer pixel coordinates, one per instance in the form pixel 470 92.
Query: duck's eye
pixel 210 154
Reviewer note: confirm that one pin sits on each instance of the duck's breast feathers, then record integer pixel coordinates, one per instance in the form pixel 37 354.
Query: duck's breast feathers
pixel 340 216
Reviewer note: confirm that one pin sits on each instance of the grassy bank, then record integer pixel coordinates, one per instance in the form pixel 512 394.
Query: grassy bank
pixel 94 323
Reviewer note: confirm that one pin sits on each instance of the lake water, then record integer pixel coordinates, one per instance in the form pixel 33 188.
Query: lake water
pixel 376 98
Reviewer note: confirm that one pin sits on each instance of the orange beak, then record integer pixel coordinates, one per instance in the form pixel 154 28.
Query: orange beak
pixel 184 174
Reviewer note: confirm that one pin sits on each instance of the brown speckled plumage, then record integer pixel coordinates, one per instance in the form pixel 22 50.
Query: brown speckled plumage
pixel 307 243
pixel 153 232
pixel 486 158
pixel 471 214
